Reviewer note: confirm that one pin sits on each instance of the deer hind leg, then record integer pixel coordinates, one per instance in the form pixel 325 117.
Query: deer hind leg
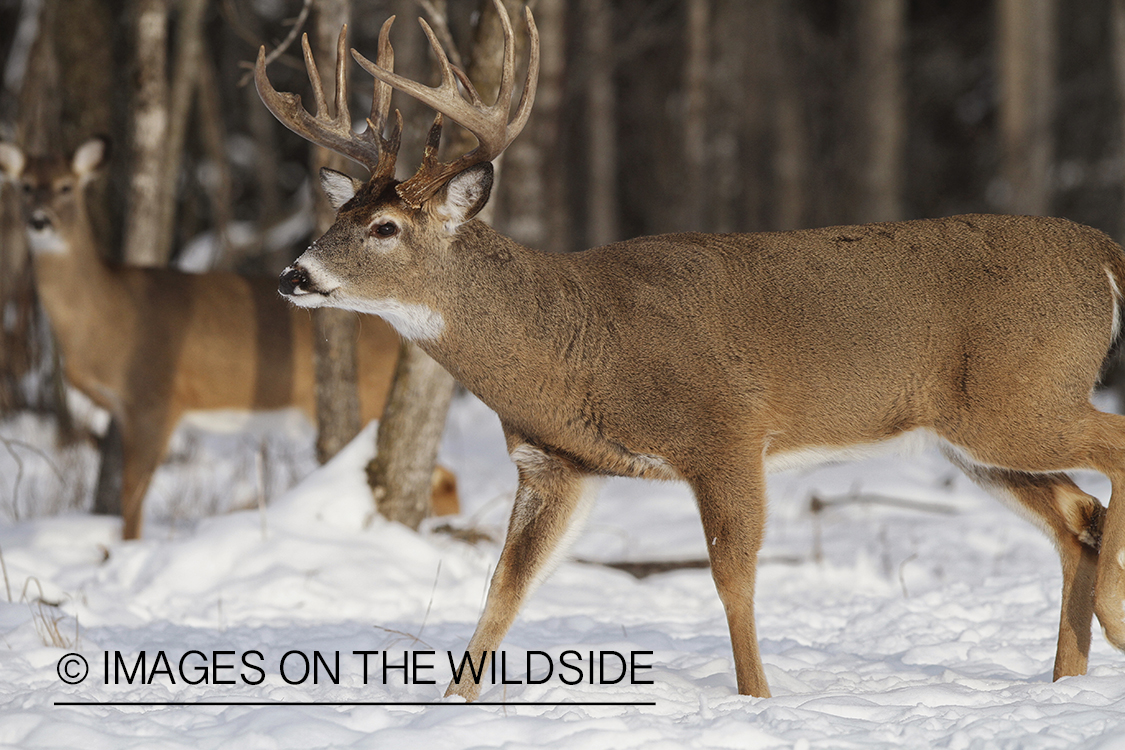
pixel 1109 591
pixel 732 506
pixel 1090 440
pixel 553 499
pixel 1073 520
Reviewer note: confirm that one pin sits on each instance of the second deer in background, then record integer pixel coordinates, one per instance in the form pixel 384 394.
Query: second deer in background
pixel 149 345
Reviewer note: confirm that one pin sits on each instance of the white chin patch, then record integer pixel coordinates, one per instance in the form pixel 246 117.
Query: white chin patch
pixel 413 322
pixel 306 299
pixel 302 298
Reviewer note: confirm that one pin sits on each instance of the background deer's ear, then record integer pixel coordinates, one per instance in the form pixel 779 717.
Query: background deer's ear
pixel 338 186
pixel 466 194
pixel 90 157
pixel 12 161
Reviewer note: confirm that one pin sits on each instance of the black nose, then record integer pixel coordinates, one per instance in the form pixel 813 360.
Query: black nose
pixel 39 222
pixel 292 279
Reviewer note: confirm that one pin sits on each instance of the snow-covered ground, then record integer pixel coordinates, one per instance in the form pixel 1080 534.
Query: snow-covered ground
pixel 908 610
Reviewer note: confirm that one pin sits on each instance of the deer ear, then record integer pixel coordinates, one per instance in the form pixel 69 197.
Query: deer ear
pixel 339 187
pixel 466 194
pixel 12 161
pixel 90 156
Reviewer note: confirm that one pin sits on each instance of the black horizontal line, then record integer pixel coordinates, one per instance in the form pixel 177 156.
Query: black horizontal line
pixel 353 703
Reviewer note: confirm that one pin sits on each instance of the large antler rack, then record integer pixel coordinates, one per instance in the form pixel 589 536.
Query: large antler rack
pixel 490 125
pixel 369 148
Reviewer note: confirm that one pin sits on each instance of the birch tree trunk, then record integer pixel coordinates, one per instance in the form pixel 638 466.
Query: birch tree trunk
pixel 335 331
pixel 186 76
pixel 147 240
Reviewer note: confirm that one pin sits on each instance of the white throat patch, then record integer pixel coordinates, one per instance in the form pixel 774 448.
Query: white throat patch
pixel 413 322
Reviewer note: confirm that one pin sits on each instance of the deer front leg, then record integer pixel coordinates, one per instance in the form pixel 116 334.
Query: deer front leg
pixel 732 505
pixel 553 499
pixel 144 439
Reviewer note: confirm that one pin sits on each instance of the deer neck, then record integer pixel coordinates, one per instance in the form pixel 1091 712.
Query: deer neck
pixel 82 295
pixel 495 343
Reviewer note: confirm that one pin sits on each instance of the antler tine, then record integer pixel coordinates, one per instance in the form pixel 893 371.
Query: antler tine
pixel 381 108
pixel 527 97
pixel 508 68
pixel 333 132
pixel 444 97
pixel 489 124
pixel 381 98
pixel 314 78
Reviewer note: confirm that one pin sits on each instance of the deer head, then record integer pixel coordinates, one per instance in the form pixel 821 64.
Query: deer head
pixel 379 254
pixel 54 192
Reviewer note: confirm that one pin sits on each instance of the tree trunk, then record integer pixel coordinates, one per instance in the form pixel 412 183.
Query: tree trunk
pixel 880 27
pixel 738 116
pixel 409 438
pixel 414 418
pixel 1117 19
pixel 17 290
pixel 696 198
pixel 1026 64
pixel 791 159
pixel 186 76
pixel 1114 377
pixel 335 331
pixel 601 124
pixel 147 239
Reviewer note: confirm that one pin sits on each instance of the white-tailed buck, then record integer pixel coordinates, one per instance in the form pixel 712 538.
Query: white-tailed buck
pixel 714 359
pixel 149 345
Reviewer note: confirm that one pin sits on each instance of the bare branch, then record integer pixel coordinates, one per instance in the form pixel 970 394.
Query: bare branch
pixel 286 43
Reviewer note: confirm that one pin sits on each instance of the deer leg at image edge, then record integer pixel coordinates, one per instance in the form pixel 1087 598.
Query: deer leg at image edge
pixel 1109 592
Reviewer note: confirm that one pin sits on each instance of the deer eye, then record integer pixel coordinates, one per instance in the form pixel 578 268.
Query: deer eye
pixel 386 229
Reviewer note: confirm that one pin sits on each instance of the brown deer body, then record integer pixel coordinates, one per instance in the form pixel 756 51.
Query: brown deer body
pixel 715 358
pixel 149 345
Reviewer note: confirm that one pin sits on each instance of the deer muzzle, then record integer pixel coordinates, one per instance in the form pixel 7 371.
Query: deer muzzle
pixel 294 281
pixel 39 220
